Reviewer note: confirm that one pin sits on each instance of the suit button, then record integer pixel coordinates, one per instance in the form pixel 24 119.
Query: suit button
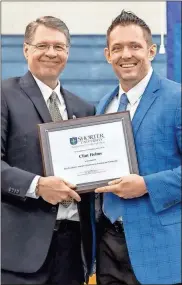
pixel 53 209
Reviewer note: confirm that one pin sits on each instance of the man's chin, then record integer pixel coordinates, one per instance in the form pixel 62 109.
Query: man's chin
pixel 50 75
pixel 129 77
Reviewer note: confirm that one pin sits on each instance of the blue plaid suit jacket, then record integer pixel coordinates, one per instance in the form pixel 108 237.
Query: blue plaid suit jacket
pixel 152 222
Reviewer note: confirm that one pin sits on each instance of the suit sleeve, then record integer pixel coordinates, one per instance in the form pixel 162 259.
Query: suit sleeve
pixel 14 181
pixel 165 187
pixel 93 112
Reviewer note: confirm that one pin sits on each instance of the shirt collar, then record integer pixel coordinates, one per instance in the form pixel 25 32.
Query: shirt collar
pixel 137 91
pixel 47 91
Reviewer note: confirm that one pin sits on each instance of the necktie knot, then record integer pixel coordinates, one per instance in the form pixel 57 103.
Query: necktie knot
pixel 123 103
pixel 53 96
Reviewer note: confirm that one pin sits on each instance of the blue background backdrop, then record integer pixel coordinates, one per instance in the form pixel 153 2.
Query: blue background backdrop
pixel 87 73
pixel 174 40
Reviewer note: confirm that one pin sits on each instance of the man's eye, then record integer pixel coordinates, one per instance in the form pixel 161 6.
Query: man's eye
pixel 135 46
pixel 116 48
pixel 59 47
pixel 41 46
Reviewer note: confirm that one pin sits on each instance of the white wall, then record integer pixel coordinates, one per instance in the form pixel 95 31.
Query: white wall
pixel 81 17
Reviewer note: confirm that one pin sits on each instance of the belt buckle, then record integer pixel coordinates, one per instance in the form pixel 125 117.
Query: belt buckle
pixel 57 225
pixel 118 227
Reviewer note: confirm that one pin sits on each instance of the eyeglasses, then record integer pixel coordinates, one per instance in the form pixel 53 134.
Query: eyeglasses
pixel 45 47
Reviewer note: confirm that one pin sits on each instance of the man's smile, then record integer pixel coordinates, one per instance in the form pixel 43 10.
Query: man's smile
pixel 128 65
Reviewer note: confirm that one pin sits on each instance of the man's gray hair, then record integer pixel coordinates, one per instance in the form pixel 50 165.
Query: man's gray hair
pixel 49 22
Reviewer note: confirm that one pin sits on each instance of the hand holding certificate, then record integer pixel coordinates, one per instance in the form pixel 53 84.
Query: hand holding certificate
pixel 90 151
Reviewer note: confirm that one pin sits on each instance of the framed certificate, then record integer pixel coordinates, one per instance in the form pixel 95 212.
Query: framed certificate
pixel 89 151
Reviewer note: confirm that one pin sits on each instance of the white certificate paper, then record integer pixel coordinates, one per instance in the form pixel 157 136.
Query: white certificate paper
pixel 89 154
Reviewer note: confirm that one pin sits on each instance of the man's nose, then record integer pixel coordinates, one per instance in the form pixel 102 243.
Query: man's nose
pixel 51 52
pixel 126 53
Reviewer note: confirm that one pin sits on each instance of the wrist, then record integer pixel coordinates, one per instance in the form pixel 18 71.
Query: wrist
pixel 144 185
pixel 37 188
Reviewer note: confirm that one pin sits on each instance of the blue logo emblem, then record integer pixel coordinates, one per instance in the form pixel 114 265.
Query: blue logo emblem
pixel 73 141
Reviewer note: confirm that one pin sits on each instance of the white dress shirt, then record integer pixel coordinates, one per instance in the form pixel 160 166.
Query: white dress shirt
pixel 134 96
pixel 71 212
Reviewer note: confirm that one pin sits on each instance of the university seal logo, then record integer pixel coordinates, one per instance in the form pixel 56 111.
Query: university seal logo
pixel 73 141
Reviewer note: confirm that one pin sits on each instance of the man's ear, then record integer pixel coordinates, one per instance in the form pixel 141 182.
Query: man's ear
pixel 107 55
pixel 152 52
pixel 25 50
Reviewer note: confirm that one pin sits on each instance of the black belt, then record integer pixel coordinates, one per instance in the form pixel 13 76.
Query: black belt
pixel 116 226
pixel 66 225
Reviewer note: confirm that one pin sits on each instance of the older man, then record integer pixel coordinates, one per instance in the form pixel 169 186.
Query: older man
pixel 45 239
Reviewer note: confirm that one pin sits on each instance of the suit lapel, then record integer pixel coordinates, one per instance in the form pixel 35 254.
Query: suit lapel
pixel 106 101
pixel 68 99
pixel 146 102
pixel 29 86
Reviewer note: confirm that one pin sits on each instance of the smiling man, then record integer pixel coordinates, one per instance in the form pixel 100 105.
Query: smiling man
pixel 141 241
pixel 47 237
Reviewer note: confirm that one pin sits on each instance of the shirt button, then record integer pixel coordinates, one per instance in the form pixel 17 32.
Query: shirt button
pixel 53 209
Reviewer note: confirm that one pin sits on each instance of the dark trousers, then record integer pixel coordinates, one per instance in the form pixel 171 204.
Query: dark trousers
pixel 113 263
pixel 63 264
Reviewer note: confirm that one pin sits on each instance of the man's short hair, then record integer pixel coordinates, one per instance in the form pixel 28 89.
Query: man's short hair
pixel 126 18
pixel 49 22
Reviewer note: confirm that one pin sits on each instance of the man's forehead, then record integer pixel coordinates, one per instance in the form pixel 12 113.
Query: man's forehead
pixel 129 32
pixel 46 34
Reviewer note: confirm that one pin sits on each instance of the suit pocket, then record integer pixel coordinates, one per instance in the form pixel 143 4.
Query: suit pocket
pixel 171 216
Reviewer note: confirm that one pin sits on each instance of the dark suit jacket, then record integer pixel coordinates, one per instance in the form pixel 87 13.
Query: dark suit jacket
pixel 27 223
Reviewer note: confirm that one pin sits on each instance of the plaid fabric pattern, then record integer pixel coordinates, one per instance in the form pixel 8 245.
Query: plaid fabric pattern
pixel 152 223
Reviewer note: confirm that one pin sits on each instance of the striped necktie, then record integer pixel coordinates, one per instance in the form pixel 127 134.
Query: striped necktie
pixel 56 116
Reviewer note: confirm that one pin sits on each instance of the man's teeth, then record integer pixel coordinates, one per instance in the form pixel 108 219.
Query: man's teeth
pixel 128 65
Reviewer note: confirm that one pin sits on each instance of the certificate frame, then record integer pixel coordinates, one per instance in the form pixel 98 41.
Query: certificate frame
pixel 124 117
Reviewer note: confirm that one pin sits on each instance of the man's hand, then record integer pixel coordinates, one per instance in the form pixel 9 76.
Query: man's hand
pixel 127 187
pixel 54 190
